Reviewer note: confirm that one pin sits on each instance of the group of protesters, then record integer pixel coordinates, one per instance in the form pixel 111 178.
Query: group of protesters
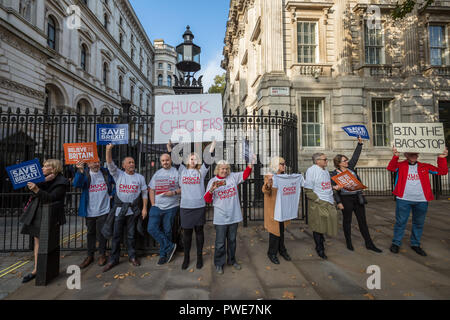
pixel 114 199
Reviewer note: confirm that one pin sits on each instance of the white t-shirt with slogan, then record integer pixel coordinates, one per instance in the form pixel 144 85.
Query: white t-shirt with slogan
pixel 128 186
pixel 98 195
pixel 162 181
pixel 288 196
pixel 227 208
pixel 319 181
pixel 192 182
pixel 413 188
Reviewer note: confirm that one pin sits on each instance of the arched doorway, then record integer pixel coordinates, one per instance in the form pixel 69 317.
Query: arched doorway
pixel 84 126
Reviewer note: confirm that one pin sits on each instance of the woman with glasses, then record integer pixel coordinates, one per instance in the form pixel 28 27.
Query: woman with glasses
pixel 322 214
pixel 352 201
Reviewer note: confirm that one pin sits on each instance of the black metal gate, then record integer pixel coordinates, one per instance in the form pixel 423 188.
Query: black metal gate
pixel 29 134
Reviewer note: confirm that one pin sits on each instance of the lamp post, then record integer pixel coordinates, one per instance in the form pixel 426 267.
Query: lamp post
pixel 188 63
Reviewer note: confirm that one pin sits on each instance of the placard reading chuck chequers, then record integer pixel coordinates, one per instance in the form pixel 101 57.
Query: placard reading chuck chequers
pixel 419 137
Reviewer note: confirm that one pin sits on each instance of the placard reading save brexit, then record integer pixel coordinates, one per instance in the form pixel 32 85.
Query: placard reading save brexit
pixel 419 137
pixel 22 173
pixel 112 133
pixel 86 152
pixel 357 130
pixel 188 118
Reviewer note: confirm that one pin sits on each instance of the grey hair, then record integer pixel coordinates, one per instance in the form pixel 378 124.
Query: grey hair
pixel 316 156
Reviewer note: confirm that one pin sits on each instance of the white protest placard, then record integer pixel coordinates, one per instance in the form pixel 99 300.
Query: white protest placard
pixel 419 137
pixel 188 118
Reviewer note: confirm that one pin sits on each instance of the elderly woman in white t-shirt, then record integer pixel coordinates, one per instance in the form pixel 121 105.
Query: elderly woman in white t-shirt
pixel 223 193
pixel 322 214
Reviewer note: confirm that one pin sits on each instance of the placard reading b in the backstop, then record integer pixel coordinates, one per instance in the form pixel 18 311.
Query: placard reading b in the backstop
pixel 419 137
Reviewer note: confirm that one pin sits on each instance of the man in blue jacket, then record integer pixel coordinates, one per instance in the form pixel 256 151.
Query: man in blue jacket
pixel 97 193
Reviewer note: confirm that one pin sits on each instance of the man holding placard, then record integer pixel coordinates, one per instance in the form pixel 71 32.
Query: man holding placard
pixel 413 191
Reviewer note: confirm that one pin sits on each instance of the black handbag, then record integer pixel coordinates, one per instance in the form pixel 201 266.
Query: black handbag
pixel 361 199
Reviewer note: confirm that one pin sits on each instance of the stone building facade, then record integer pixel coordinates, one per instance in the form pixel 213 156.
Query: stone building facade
pixel 327 62
pixel 50 60
pixel 165 67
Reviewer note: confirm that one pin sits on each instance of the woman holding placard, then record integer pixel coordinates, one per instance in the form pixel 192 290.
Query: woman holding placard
pixel 351 201
pixel 52 191
pixel 192 205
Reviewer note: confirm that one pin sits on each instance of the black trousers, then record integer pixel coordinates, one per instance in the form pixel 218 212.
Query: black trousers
pixel 119 223
pixel 351 204
pixel 276 244
pixel 94 227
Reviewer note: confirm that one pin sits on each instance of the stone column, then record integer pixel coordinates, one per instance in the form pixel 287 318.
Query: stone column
pixel 272 27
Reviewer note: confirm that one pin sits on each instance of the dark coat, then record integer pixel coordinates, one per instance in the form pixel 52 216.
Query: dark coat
pixel 351 165
pixel 49 192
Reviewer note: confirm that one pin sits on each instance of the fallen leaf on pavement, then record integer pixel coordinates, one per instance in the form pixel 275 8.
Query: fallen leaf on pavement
pixel 98 276
pixel 368 295
pixel 154 255
pixel 293 277
pixel 145 274
pixel 257 292
pixel 192 270
pixel 310 255
pixel 303 285
pixel 408 294
pixel 116 276
pixel 314 284
pixel 268 268
pixel 106 284
pixel 402 250
pixel 288 295
pixel 302 230
pixel 393 283
pixel 200 279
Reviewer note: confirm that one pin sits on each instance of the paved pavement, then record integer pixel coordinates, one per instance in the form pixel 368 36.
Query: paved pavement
pixel 343 276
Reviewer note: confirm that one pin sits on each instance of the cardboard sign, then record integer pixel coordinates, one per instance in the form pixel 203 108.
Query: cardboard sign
pixel 86 152
pixel 357 130
pixel 112 133
pixel 419 137
pixel 348 181
pixel 22 173
pixel 188 118
pixel 247 152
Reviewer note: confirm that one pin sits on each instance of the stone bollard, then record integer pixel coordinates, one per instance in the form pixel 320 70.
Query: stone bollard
pixel 49 247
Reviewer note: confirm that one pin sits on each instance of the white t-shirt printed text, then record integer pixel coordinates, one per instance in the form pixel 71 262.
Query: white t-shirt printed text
pixel 288 196
pixel 192 183
pixel 98 202
pixel 165 180
pixel 227 208
pixel 128 186
pixel 319 180
pixel 413 188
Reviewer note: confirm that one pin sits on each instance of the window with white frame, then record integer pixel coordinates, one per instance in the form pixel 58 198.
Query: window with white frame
pixel 380 122
pixel 438 45
pixel 312 121
pixel 307 42
pixel 374 44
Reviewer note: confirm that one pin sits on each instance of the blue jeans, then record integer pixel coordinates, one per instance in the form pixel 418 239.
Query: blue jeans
pixel 162 236
pixel 225 244
pixel 419 212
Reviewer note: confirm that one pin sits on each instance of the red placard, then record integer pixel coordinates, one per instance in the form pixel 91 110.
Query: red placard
pixel 348 181
pixel 86 152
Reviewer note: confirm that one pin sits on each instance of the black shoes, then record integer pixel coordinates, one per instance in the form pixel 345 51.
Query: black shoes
pixel 162 260
pixel 219 269
pixel 273 258
pixel 199 261
pixel 172 252
pixel 185 264
pixel 350 246
pixel 28 278
pixel 286 256
pixel 394 248
pixel 373 248
pixel 419 250
pixel 321 253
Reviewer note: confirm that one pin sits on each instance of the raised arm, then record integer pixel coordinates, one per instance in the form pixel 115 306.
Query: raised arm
pixel 393 164
pixel 355 157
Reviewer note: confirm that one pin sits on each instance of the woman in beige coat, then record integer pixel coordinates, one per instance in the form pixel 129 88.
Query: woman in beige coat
pixel 275 228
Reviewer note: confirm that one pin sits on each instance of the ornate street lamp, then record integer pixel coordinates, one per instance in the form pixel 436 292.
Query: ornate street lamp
pixel 188 63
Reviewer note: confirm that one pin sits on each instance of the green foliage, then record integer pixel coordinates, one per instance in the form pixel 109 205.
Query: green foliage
pixel 401 10
pixel 219 85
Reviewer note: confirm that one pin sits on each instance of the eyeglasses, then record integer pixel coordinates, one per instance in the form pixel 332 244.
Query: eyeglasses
pixel 345 160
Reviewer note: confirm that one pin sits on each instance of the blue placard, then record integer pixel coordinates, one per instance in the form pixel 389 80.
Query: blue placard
pixel 112 133
pixel 22 173
pixel 357 130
